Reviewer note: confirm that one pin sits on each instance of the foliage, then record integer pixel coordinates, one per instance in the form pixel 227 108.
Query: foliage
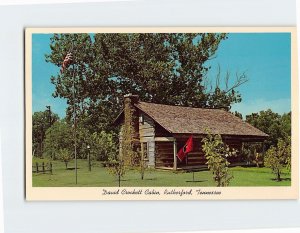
pixel 238 114
pixel 279 157
pixel 61 135
pixel 58 136
pixel 83 138
pixel 41 121
pixel 258 158
pixel 116 167
pixel 79 45
pixel 65 155
pixel 129 151
pixel 216 153
pixel 251 153
pixel 273 124
pixel 167 68
pixel 102 146
pixel 129 146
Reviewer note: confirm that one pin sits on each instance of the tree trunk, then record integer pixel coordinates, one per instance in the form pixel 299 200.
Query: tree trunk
pixel 66 163
pixel 142 171
pixel 278 176
pixel 119 180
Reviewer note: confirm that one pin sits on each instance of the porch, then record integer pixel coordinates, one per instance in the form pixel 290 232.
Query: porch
pixel 166 149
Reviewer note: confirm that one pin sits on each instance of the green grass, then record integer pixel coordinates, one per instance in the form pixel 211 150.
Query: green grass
pixel 99 177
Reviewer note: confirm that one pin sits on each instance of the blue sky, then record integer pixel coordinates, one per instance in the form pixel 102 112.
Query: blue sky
pixel 42 71
pixel 265 57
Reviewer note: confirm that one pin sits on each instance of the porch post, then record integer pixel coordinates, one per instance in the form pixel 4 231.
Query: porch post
pixel 175 154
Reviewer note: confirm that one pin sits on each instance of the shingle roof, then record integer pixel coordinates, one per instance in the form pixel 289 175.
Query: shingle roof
pixel 187 120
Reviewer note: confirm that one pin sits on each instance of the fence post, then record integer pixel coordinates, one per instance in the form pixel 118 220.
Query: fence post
pixel 43 167
pixel 37 167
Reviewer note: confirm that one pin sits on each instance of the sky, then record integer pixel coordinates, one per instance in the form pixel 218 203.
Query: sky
pixel 264 57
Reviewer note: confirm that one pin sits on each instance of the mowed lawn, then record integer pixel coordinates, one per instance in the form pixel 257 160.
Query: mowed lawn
pixel 99 177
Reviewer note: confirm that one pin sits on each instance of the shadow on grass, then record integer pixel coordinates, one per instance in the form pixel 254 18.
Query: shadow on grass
pixel 196 181
pixel 282 179
pixel 150 178
pixel 72 168
pixel 144 179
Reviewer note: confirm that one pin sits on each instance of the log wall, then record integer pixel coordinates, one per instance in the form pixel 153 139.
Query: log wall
pixel 164 154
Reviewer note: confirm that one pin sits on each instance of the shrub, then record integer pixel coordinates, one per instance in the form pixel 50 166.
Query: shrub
pixel 279 157
pixel 216 153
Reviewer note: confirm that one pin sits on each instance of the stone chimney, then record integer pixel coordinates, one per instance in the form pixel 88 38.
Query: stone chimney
pixel 134 99
pixel 131 114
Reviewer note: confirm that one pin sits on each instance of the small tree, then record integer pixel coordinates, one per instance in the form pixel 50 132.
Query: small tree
pixel 65 156
pixel 216 153
pixel 142 167
pixel 279 157
pixel 116 167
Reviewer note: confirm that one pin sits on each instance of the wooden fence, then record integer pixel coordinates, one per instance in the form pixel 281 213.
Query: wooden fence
pixel 43 168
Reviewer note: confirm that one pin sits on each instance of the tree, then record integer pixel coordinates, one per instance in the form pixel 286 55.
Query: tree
pixel 219 97
pixel 58 136
pixel 164 68
pixel 116 167
pixel 275 125
pixel 102 146
pixel 216 153
pixel 65 155
pixel 279 157
pixel 41 121
pixel 238 114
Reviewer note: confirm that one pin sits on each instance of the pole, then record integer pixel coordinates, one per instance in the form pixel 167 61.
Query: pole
pixel 74 119
pixel 175 154
pixel 50 118
pixel 89 160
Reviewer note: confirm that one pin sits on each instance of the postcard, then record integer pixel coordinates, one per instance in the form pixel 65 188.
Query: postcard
pixel 161 113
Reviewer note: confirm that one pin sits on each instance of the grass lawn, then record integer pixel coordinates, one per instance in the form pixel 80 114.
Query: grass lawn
pixel 99 177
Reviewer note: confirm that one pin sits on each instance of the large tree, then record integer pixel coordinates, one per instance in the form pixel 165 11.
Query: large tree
pixel 41 121
pixel 58 137
pixel 169 68
pixel 275 125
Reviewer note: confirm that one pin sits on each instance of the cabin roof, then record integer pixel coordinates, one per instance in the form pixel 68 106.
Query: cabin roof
pixel 188 120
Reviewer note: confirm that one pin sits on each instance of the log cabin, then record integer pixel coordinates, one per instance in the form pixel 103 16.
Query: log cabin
pixel 159 131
